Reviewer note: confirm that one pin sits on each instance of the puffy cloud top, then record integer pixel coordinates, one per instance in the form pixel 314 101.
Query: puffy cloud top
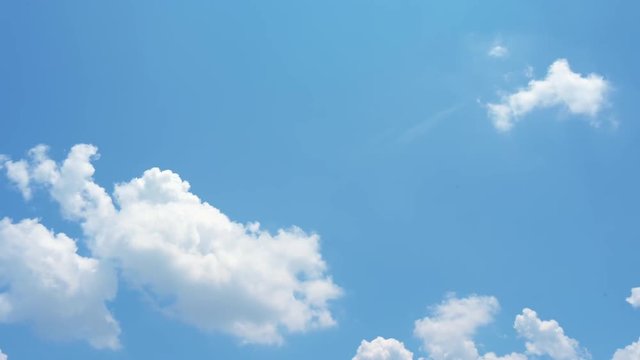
pixel 382 349
pixel 546 337
pixel 631 352
pixel 447 333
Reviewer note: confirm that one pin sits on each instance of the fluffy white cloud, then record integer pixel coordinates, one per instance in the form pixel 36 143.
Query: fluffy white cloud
pixel 631 352
pixel 18 173
pixel 498 51
pixel 382 349
pixel 580 94
pixel 448 333
pixel 634 299
pixel 3 356
pixel 47 284
pixel 546 337
pixel 191 259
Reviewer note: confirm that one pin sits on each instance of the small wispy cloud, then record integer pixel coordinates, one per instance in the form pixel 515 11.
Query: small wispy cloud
pixel 498 51
pixel 426 125
pixel 528 71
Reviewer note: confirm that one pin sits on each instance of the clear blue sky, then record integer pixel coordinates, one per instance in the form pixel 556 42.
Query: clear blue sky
pixel 364 122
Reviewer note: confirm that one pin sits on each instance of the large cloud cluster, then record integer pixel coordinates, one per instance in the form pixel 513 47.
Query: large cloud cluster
pixel 196 264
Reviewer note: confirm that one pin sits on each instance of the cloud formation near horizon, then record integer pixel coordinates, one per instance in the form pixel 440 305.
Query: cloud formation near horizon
pixel 580 95
pixel 195 263
pixel 382 349
pixel 448 334
pixel 546 337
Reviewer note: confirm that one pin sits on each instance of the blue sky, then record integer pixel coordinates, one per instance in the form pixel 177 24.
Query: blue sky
pixel 368 123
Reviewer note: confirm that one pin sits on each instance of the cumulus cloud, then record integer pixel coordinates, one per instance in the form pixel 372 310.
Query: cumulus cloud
pixel 634 299
pixel 18 173
pixel 498 51
pixel 382 349
pixel 631 352
pixel 448 333
pixel 546 337
pixel 3 356
pixel 195 263
pixel 584 95
pixel 47 284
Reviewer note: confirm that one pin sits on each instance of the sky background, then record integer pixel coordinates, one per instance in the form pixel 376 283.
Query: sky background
pixel 364 122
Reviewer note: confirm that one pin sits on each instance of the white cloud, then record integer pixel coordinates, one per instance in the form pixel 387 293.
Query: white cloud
pixel 631 352
pixel 192 260
pixel 448 333
pixel 498 51
pixel 382 349
pixel 634 299
pixel 512 356
pixel 47 284
pixel 584 95
pixel 3 356
pixel 546 337
pixel 18 173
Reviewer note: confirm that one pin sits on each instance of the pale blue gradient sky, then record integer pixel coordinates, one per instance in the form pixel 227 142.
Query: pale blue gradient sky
pixel 359 120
